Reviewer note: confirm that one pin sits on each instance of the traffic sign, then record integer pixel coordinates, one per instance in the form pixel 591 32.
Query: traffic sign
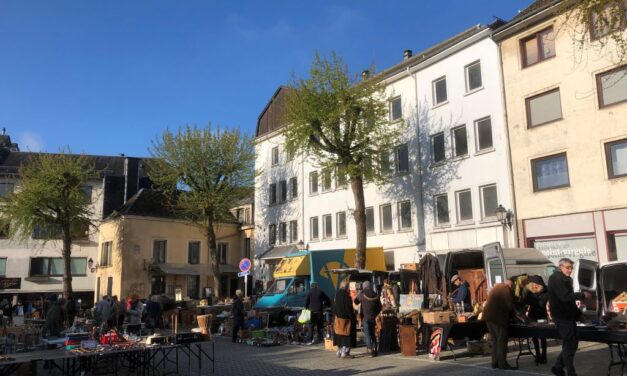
pixel 243 274
pixel 245 265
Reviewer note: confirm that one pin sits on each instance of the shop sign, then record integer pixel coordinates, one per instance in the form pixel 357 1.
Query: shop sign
pixel 10 283
pixel 574 249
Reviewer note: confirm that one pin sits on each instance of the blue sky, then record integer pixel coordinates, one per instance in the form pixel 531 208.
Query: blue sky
pixel 108 77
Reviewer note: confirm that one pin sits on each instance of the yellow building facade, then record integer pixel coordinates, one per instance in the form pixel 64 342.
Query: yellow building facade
pixel 567 125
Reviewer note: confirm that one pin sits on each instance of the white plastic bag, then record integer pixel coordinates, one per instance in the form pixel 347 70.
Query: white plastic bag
pixel 305 316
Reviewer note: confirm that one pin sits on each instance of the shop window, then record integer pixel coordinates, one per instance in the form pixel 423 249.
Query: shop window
pixel 617 244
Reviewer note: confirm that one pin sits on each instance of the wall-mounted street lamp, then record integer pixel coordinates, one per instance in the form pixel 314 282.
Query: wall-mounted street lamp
pixel 504 216
pixel 91 266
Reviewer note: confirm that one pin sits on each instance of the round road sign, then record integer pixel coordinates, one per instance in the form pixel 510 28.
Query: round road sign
pixel 245 265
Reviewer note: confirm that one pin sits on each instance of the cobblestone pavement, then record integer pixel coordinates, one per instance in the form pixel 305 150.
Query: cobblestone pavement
pixel 240 359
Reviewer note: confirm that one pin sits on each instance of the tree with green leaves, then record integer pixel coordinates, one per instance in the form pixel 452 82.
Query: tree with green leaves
pixel 341 124
pixel 51 201
pixel 205 172
pixel 597 23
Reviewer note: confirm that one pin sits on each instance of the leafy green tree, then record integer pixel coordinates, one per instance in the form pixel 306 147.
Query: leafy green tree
pixel 51 201
pixel 205 172
pixel 341 124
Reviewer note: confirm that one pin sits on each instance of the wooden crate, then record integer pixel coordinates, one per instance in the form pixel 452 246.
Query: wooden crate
pixel 408 340
pixel 436 317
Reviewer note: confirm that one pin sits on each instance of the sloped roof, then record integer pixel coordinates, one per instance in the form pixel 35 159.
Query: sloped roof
pixel 531 15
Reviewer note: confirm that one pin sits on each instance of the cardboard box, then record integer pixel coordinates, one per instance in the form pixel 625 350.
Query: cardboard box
pixel 328 345
pixel 437 317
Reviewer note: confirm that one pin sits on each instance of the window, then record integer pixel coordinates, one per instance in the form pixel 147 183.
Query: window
pixel 437 147
pixel 293 231
pixel 473 76
pixel 47 231
pixel 275 155
pixel 612 86
pixel 366 165
pixel 327 226
pixel 223 249
pixel 384 163
pixel 439 91
pixel 283 232
pixel 550 172
pixel 87 191
pixel 401 159
pixel 538 47
pixel 313 182
pixel 543 108
pixel 193 286
pixel 464 206
pixel 313 228
pixel 55 266
pixel 283 190
pixel 460 141
pixel 484 134
pixel 106 254
pixel 293 187
pixel 404 215
pixel 3 266
pixel 617 244
pixel 489 201
pixel 289 155
pixel 608 20
pixel 341 224
pixel 272 234
pixel 616 157
pixel 247 248
pixel 78 266
pixel 396 110
pixel 326 180
pixel 441 210
pixel 193 252
pixel 272 194
pixel 341 179
pixel 370 220
pixel 385 211
pixel 159 251
pixel 6 189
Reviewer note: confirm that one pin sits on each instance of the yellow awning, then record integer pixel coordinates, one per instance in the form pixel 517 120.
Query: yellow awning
pixel 292 266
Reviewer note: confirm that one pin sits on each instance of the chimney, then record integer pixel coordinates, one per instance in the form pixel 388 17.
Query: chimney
pixel 365 74
pixel 406 54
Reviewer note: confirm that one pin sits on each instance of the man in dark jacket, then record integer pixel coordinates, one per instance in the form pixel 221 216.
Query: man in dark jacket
pixel 565 313
pixel 237 313
pixel 461 293
pixel 315 301
pixel 497 311
pixel 370 308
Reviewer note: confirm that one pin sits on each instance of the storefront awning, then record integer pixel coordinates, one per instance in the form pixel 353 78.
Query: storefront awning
pixel 279 252
pixel 183 269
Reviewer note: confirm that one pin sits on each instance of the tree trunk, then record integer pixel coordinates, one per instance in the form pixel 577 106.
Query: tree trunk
pixel 213 258
pixel 67 262
pixel 357 186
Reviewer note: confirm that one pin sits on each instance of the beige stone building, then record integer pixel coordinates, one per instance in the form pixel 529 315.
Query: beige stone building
pixel 567 124
pixel 145 249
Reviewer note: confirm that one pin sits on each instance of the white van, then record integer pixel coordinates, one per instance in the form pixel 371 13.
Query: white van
pixel 604 283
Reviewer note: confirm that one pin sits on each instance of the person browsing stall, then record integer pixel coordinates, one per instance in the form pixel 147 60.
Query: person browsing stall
pixel 535 296
pixel 370 308
pixel 497 311
pixel 315 301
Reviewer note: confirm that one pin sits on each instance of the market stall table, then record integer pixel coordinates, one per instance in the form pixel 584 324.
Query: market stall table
pixel 472 330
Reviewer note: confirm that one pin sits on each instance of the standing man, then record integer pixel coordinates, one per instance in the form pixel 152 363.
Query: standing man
pixel 237 313
pixel 565 313
pixel 461 293
pixel 315 302
pixel 370 309
pixel 498 309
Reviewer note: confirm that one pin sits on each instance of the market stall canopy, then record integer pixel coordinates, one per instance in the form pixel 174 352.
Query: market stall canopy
pixel 292 266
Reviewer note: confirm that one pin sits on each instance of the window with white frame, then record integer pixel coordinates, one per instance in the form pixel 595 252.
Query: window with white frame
pixel 313 182
pixel 160 251
pixel 293 188
pixel 473 76
pixel 483 129
pixel 612 86
pixel 460 141
pixel 326 180
pixel 275 155
pixel 464 206
pixel 401 159
pixel 283 191
pixel 293 231
pixel 439 91
pixel 385 215
pixel 370 220
pixel 282 232
pixel 340 224
pixel 385 166
pixel 272 194
pixel 543 108
pixel 404 215
pixel 272 234
pixel 314 228
pixel 327 226
pixel 437 147
pixel 616 157
pixel 489 201
pixel 223 253
pixel 550 172
pixel 441 210
pixel 396 110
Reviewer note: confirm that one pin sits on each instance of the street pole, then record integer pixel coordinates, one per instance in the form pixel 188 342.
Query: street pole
pixel 246 285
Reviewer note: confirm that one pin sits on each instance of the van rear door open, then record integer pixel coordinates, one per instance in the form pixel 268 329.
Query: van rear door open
pixel 585 279
pixel 494 264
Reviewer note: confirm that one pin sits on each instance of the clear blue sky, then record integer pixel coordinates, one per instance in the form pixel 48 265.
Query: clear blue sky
pixel 107 77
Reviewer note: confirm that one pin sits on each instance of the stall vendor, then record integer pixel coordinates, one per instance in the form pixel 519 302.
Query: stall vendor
pixel 461 293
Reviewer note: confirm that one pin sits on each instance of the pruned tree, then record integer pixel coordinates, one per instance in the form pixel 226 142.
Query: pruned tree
pixel 205 172
pixel 51 201
pixel 341 124
pixel 598 23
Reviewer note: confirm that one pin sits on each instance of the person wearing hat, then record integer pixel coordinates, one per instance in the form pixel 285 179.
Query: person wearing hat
pixel 535 296
pixel 461 293
pixel 315 301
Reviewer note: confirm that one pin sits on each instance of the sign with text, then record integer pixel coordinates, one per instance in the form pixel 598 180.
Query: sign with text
pixel 243 274
pixel 10 283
